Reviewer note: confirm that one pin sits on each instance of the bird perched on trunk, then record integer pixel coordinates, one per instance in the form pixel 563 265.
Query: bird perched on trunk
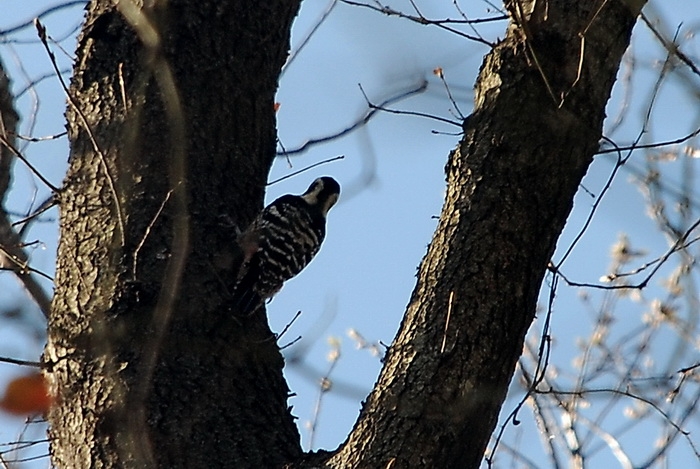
pixel 281 241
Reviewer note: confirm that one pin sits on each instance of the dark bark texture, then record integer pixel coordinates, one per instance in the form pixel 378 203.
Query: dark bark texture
pixel 510 185
pixel 172 129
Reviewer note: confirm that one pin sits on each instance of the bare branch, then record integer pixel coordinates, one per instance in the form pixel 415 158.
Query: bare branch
pixel 12 255
pixel 670 46
pixel 381 107
pixel 640 146
pixel 295 53
pixel 359 122
pixel 680 244
pixel 15 361
pixel 302 170
pixel 4 141
pixel 442 24
pixel 48 11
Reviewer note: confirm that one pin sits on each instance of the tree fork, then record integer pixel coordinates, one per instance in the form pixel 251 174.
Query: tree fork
pixel 216 397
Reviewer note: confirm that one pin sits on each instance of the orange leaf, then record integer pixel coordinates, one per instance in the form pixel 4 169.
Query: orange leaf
pixel 26 395
pixel 277 106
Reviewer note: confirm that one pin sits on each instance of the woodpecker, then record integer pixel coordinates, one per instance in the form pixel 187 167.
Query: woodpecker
pixel 281 241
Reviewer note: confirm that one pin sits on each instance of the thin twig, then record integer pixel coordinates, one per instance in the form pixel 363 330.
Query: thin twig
pixel 41 30
pixel 678 245
pixel 621 392
pixel 15 361
pixel 61 6
pixel 422 86
pixel 36 172
pixel 618 164
pixel 539 375
pixel 641 146
pixel 380 107
pixel 447 322
pixel 18 264
pixel 42 139
pixel 439 72
pixel 670 46
pixel 295 53
pixel 287 326
pixel 324 386
pixel 147 232
pixel 442 24
pixel 329 160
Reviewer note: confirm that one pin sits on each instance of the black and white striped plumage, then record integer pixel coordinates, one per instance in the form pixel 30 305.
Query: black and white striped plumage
pixel 281 241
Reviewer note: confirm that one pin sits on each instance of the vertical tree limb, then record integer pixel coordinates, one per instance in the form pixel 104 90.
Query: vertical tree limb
pixel 539 110
pixel 150 365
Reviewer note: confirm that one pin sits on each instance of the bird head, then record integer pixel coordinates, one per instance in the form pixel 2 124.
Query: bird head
pixel 322 193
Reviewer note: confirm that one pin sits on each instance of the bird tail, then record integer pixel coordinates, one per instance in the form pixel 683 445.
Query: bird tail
pixel 245 298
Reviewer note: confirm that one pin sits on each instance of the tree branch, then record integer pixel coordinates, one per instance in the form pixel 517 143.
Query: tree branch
pixel 12 256
pixel 511 184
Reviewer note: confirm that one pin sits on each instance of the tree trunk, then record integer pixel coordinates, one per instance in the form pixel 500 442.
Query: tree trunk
pixel 534 131
pixel 172 132
pixel 171 147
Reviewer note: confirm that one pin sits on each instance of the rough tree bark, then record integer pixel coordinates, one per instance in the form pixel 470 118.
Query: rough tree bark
pixel 173 133
pixel 148 363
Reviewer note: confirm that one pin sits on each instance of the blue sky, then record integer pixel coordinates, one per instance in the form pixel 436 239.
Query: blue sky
pixel 393 183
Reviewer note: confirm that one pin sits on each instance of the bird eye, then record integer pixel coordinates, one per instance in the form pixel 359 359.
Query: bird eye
pixel 315 187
